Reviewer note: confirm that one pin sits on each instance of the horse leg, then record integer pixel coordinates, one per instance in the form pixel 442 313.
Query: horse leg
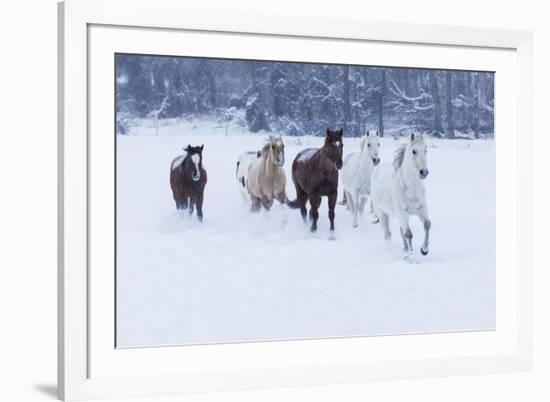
pixel 385 223
pixel 191 203
pixel 349 200
pixel 405 244
pixel 407 234
pixel 375 218
pixel 281 197
pixel 423 215
pixel 179 199
pixel 344 201
pixel 184 203
pixel 350 203
pixel 362 202
pixel 355 210
pixel 315 201
pixel 267 202
pixel 256 203
pixel 199 200
pixel 332 198
pixel 383 218
pixel 242 188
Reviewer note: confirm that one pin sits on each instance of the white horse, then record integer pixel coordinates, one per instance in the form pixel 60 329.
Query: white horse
pixel 399 191
pixel 356 174
pixel 243 164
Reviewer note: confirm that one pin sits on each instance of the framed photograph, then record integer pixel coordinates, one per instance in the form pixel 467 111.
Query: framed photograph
pixel 255 201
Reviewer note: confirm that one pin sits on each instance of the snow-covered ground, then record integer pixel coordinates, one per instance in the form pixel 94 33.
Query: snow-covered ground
pixel 240 276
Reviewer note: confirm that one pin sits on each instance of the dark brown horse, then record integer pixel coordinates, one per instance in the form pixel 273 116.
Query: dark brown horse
pixel 188 179
pixel 315 174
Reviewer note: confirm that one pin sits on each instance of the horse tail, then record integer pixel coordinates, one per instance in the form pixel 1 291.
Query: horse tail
pixel 344 200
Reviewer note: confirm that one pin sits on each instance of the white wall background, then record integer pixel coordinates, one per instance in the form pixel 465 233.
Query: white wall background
pixel 28 199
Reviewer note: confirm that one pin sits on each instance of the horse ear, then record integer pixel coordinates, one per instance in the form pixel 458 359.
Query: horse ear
pixel 328 132
pixel 202 147
pixel 368 134
pixel 341 132
pixel 412 136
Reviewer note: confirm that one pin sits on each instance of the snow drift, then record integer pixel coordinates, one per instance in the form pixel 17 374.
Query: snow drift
pixel 239 276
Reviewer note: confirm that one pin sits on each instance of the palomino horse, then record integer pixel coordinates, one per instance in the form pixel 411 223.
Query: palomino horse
pixel 356 174
pixel 399 191
pixel 188 179
pixel 266 178
pixel 315 174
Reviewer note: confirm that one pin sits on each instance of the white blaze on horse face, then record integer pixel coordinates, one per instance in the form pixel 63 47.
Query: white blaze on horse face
pixel 195 158
pixel 339 146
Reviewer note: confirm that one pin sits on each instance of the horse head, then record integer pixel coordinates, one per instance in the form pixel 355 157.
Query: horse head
pixel 417 151
pixel 371 145
pixel 195 155
pixel 334 147
pixel 275 149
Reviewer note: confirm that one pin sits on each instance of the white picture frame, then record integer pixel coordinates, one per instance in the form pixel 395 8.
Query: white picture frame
pixel 82 342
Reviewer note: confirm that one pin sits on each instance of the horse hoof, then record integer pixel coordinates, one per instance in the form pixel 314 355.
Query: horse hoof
pixel 355 225
pixel 424 252
pixel 332 235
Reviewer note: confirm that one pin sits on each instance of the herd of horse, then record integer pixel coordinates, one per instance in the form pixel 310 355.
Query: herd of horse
pixel 395 189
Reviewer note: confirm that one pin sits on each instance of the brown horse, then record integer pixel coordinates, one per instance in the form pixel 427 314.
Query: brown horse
pixel 188 179
pixel 315 174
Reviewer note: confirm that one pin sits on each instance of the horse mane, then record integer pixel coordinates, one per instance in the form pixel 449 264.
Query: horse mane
pixel 265 149
pixel 399 156
pixel 178 161
pixel 363 141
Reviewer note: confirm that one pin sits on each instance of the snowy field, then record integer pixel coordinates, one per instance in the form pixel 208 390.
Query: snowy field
pixel 241 277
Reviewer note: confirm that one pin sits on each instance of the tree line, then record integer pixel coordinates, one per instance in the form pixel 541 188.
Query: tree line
pixel 306 98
